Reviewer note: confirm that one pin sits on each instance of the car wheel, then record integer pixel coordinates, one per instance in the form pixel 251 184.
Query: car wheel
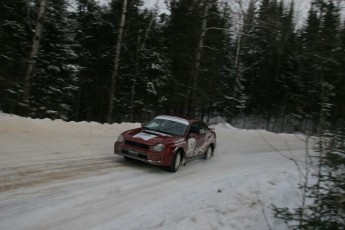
pixel 176 162
pixel 208 153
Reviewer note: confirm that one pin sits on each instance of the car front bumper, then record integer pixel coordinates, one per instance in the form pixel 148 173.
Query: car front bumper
pixel 161 159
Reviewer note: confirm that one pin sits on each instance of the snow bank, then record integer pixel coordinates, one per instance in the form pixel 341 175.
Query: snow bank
pixel 63 175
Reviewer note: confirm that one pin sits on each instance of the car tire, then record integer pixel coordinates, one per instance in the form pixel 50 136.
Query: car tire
pixel 176 162
pixel 208 153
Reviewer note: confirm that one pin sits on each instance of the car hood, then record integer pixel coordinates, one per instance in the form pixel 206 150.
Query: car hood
pixel 148 137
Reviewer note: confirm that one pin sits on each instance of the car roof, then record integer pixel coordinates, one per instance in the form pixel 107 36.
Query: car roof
pixel 177 119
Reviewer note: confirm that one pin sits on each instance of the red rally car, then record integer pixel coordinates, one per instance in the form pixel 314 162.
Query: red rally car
pixel 167 141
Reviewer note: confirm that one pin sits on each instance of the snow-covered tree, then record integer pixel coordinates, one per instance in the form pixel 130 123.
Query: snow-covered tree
pixel 54 82
pixel 15 40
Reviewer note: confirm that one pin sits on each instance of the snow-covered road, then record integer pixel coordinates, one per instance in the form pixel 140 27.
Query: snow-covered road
pixel 63 175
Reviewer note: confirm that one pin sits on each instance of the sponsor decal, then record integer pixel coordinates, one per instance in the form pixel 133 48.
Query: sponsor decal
pixel 144 136
pixel 194 150
pixel 191 146
pixel 208 140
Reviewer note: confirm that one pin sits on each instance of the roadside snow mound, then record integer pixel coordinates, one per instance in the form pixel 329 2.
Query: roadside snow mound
pixel 13 123
pixel 64 175
pixel 222 126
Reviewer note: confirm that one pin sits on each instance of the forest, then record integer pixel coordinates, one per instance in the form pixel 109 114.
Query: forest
pixel 253 63
pixel 122 62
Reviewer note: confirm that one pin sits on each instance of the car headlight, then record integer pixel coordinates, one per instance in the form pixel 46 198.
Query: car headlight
pixel 158 148
pixel 120 138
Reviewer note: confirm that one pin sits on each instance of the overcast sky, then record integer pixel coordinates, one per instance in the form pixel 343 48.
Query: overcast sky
pixel 301 6
pixel 149 3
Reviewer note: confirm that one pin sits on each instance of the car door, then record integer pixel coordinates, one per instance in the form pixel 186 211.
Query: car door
pixel 192 140
pixel 196 139
pixel 201 140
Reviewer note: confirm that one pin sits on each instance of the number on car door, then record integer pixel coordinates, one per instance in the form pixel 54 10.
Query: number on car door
pixel 196 139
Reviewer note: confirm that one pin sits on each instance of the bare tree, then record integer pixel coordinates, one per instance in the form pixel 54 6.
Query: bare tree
pixel 196 68
pixel 34 49
pixel 244 27
pixel 140 48
pixel 116 61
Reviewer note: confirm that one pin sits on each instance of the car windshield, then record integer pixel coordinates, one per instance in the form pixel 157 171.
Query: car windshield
pixel 167 126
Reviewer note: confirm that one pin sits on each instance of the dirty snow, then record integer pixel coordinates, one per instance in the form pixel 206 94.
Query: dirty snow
pixel 64 175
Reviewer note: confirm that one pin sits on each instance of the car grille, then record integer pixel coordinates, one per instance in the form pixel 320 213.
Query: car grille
pixel 136 144
pixel 135 155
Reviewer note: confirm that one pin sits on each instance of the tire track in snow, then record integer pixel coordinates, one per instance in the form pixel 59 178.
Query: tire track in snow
pixel 32 175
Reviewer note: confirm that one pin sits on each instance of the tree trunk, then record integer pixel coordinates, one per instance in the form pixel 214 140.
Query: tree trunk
pixel 238 87
pixel 34 50
pixel 196 69
pixel 116 61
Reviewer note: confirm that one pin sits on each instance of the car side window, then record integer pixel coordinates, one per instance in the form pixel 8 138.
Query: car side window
pixel 194 128
pixel 202 127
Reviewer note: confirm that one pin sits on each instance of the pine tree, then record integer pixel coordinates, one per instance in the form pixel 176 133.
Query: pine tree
pixel 333 58
pixel 95 38
pixel 213 60
pixel 33 54
pixel 15 36
pixel 235 95
pixel 320 59
pixel 288 54
pixel 154 66
pixel 323 199
pixel 118 49
pixel 268 61
pixel 144 66
pixel 196 41
pixel 339 104
pixel 182 32
pixel 54 82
